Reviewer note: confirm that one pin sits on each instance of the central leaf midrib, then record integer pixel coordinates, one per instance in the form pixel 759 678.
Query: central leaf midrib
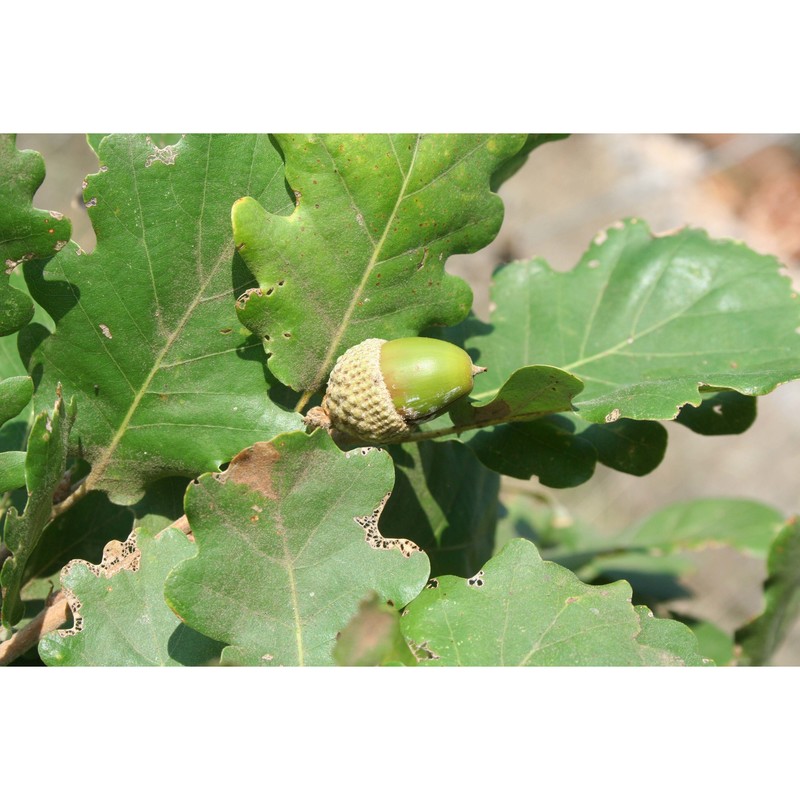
pixel 337 338
pixel 99 468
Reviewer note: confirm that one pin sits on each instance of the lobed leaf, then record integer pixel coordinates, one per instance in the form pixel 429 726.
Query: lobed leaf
pixel 746 525
pixel 120 617
pixel 147 338
pixel 672 637
pixel 529 393
pixel 44 468
pixel 81 532
pixel 26 233
pixel 563 450
pixel 283 559
pixel 720 414
pixel 547 448
pixel 12 470
pixel 647 323
pixel 363 253
pixel 15 394
pixel 520 610
pixel 760 639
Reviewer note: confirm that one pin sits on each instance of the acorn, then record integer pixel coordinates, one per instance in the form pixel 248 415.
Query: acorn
pixel 379 390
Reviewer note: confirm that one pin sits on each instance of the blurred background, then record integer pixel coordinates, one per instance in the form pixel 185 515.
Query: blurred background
pixel 735 186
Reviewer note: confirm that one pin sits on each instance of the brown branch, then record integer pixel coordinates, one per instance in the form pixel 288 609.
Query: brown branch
pixel 436 433
pixel 55 614
pixel 182 524
pixel 303 401
pixel 81 490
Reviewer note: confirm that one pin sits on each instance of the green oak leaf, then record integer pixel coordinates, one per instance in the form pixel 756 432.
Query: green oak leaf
pixel 760 639
pixel 373 638
pixel 44 468
pixel 529 393
pixel 520 610
pixel 118 606
pixel 15 394
pixel 147 339
pixel 672 637
pixel 547 448
pixel 647 322
pixel 745 525
pixel 652 555
pixel 445 500
pixel 12 470
pixel 162 141
pixel 26 233
pixel 560 449
pixel 363 254
pixel 283 558
pixel 720 414
pixel 632 446
pixel 563 450
pixel 715 644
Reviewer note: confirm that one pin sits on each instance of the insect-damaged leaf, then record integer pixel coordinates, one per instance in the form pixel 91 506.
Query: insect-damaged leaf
pixel 167 380
pixel 520 610
pixel 363 254
pixel 288 546
pixel 120 617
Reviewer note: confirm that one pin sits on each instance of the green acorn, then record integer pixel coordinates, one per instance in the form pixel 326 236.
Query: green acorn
pixel 379 390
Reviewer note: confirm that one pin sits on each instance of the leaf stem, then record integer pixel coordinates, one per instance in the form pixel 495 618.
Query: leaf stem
pixel 303 401
pixel 79 492
pixel 420 436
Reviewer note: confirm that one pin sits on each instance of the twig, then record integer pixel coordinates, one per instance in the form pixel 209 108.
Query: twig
pixel 436 433
pixel 81 490
pixel 303 401
pixel 182 524
pixel 50 619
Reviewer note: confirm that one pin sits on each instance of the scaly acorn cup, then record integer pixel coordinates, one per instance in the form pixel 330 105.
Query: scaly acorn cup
pixel 379 390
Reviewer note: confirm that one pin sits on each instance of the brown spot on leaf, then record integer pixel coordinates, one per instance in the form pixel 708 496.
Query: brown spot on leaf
pixel 253 467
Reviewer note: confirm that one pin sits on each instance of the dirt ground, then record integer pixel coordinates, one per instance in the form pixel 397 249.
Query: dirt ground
pixel 744 187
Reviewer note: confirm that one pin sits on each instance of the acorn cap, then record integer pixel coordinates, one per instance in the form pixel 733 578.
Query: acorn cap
pixel 379 390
